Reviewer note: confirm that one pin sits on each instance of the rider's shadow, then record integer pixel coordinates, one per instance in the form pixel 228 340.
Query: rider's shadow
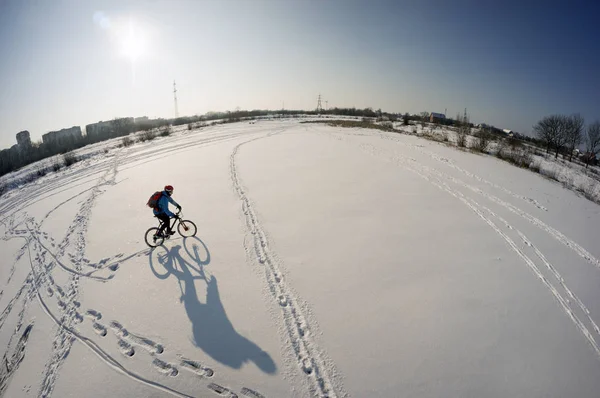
pixel 212 329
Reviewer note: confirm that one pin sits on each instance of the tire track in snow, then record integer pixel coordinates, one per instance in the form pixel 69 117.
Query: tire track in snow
pixel 95 348
pixel 63 340
pixel 127 341
pixel 309 357
pixel 556 234
pixel 12 361
pixel 13 266
pixel 66 301
pixel 553 271
pixel 7 310
pixel 435 156
pixel 564 303
pixel 450 164
pixel 73 271
pixel 436 179
pixel 90 167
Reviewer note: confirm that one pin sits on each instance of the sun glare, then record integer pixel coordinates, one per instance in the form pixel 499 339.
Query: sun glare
pixel 132 43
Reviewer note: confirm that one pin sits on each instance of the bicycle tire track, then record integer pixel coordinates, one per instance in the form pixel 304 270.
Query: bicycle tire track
pixel 12 361
pixel 60 302
pixel 436 178
pixel 450 164
pixel 63 340
pixel 95 348
pixel 556 234
pixel 553 271
pixel 13 266
pixel 91 167
pixel 319 371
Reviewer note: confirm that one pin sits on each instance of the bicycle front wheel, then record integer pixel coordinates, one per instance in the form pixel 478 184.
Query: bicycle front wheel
pixel 186 228
pixel 152 238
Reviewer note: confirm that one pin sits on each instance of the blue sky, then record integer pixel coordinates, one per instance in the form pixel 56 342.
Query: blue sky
pixel 65 63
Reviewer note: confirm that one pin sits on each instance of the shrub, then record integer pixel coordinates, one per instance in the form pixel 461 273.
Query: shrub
pixel 514 143
pixel 520 158
pixel 147 135
pixel 165 131
pixel 482 142
pixel 41 171
pixel 3 189
pixel 56 166
pixel 535 167
pixel 190 126
pixel 569 183
pixel 461 139
pixel 589 191
pixel 430 135
pixel 405 121
pixel 69 158
pixel 127 142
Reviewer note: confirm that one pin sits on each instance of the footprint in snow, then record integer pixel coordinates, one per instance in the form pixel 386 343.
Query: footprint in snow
pixel 126 348
pixel 165 368
pixel 99 329
pixel 93 314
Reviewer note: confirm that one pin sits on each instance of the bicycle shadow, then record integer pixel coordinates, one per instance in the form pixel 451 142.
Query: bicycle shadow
pixel 212 330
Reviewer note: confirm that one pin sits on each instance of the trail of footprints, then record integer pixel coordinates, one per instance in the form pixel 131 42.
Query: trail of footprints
pixel 129 342
pixel 111 263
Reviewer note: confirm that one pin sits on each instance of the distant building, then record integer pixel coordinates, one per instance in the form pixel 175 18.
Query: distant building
pixel 23 139
pixel 54 137
pixel 508 132
pixel 96 129
pixel 105 128
pixel 436 117
pixel 141 119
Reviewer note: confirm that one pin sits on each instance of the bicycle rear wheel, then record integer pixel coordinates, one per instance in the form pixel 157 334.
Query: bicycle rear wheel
pixel 152 238
pixel 186 228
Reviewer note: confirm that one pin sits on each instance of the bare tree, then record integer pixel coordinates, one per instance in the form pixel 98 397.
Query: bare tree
pixel 483 141
pixel 544 130
pixel 592 141
pixel 460 137
pixel 573 126
pixel 551 130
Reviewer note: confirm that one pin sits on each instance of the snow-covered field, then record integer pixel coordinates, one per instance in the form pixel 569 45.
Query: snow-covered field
pixel 328 262
pixel 573 176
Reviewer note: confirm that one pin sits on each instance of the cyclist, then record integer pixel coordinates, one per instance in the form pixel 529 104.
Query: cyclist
pixel 162 212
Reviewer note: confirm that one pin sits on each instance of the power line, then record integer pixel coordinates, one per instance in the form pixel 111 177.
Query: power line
pixel 319 106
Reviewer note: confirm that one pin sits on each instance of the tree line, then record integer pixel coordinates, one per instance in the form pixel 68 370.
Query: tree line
pixel 562 133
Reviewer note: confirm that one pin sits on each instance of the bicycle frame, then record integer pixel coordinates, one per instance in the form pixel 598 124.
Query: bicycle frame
pixel 178 217
pixel 172 227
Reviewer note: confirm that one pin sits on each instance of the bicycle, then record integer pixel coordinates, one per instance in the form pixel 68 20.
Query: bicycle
pixel 186 228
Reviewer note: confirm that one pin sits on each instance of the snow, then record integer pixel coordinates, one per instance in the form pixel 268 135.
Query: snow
pixel 328 262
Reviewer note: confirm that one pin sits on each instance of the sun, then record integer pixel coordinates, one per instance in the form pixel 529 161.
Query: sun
pixel 132 43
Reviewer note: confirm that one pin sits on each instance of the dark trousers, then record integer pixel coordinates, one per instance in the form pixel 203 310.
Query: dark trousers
pixel 166 223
